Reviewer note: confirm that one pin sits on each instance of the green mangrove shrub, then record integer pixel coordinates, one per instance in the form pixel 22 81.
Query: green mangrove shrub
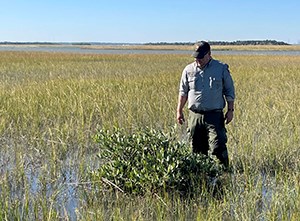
pixel 150 160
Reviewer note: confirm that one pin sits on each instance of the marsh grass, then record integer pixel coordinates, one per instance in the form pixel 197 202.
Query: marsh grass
pixel 53 104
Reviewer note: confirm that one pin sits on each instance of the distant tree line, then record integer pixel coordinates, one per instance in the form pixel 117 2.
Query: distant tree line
pixel 249 42
pixel 245 42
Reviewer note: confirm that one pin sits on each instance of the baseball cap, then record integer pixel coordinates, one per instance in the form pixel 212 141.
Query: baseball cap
pixel 202 48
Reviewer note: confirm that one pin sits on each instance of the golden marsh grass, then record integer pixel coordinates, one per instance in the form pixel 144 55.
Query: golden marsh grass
pixel 52 104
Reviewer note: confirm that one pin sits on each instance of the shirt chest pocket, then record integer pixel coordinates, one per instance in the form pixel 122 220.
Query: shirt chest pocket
pixel 215 83
pixel 192 82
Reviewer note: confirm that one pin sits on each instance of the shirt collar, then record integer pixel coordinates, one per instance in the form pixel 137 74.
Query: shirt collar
pixel 207 64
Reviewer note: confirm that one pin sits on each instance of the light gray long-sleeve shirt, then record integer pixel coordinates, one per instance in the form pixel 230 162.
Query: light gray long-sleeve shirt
pixel 207 88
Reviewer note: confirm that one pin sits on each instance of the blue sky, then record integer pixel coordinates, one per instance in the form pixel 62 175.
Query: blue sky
pixel 141 21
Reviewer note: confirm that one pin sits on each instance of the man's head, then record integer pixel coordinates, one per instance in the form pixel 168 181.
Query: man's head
pixel 202 48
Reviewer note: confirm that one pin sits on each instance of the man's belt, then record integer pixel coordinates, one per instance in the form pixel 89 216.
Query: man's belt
pixel 207 111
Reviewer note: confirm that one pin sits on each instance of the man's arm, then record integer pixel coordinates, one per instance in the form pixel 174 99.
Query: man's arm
pixel 229 93
pixel 229 113
pixel 181 102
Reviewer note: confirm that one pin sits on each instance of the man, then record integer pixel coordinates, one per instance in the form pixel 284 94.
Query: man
pixel 207 86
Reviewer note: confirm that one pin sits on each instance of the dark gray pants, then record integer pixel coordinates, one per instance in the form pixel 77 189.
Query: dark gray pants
pixel 207 134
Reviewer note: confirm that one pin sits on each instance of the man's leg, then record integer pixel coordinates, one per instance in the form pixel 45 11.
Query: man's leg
pixel 197 134
pixel 217 137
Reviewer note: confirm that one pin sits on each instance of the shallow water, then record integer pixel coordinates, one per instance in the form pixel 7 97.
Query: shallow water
pixel 77 49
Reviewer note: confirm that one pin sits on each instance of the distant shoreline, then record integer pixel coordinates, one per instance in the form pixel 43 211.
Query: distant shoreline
pixel 168 47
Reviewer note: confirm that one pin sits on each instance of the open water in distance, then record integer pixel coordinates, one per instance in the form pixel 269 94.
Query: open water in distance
pixel 77 49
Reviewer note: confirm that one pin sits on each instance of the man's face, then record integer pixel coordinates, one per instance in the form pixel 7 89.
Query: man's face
pixel 203 61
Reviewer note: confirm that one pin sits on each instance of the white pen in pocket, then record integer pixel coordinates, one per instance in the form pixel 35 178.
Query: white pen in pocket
pixel 210 82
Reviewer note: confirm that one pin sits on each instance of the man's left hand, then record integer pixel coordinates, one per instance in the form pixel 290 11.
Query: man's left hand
pixel 228 116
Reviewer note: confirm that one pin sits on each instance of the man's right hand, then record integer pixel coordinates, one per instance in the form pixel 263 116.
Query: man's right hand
pixel 181 102
pixel 180 117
